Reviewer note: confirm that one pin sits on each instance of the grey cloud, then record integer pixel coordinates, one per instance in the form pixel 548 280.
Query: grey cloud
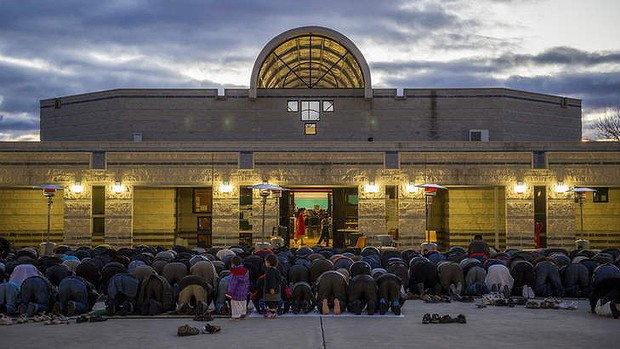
pixel 12 125
pixel 64 33
pixel 597 90
pixel 560 55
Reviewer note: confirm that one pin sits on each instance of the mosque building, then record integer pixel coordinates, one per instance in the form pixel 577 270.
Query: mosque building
pixel 169 166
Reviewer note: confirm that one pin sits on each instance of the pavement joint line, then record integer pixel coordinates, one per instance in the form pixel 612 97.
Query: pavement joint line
pixel 323 333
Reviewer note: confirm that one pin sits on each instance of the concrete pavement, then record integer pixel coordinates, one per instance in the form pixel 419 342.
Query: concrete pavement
pixel 497 327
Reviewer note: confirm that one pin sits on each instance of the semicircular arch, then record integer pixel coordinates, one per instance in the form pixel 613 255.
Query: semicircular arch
pixel 310 57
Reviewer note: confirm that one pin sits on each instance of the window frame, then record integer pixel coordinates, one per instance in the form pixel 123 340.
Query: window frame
pixel 601 195
pixel 310 126
pixel 308 112
pixel 291 102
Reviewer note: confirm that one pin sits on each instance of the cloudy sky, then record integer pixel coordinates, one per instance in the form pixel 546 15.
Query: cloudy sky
pixel 63 47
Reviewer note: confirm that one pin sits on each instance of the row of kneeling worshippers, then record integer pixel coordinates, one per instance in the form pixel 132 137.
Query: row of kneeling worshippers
pixel 149 281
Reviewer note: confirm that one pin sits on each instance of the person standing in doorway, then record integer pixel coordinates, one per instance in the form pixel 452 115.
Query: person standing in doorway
pixel 324 231
pixel 300 225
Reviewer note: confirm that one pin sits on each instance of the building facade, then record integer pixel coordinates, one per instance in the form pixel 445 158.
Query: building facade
pixel 159 166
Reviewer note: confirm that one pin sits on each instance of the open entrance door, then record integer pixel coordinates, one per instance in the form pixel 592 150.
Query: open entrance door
pixel 335 208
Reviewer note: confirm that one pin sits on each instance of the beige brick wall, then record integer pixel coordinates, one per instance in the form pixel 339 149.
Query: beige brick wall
pixel 421 115
pixel 23 216
pixel 130 213
pixel 154 216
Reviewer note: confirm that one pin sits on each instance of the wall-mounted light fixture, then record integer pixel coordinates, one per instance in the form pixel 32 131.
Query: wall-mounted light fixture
pixel 77 187
pixel 411 188
pixel 226 187
pixel 520 187
pixel 371 187
pixel 118 187
pixel 560 187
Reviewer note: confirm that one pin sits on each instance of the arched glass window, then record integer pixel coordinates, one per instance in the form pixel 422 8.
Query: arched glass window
pixel 310 61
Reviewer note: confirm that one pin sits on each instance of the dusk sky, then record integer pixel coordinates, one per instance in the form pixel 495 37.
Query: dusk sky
pixel 57 48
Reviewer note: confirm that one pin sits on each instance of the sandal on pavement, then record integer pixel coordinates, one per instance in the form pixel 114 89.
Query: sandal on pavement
pixel 532 305
pixel 97 318
pixel 572 306
pixel 187 330
pixel 426 318
pixel 460 319
pixel 446 319
pixel 203 317
pixel 211 329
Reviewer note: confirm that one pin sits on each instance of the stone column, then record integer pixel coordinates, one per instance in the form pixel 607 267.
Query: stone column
pixel 371 213
pixel 225 217
pixel 412 220
pixel 77 218
pixel 519 219
pixel 561 221
pixel 118 217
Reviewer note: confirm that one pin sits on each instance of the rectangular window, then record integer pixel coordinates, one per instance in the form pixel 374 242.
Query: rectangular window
pixel 601 194
pixel 328 106
pixel 245 208
pixel 98 226
pixel 310 110
pixel 391 160
pixel 98 214
pixel 98 161
pixel 310 129
pixel 246 160
pixel 98 200
pixel 539 160
pixel 202 200
pixel 292 106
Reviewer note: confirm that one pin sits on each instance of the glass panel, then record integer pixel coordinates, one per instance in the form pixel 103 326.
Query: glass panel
pixel 98 226
pixel 391 210
pixel 293 106
pixel 98 200
pixel 245 208
pixel 310 61
pixel 328 106
pixel 601 194
pixel 202 200
pixel 310 129
pixel 310 110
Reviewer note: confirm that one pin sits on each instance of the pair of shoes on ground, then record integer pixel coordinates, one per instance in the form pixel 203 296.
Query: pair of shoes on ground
pixel 6 320
pixel 551 303
pixel 271 315
pixel 428 298
pixel 57 320
pixel 203 317
pixel 210 329
pixel 446 319
pixel 532 304
pixel 568 305
pixel 504 302
pixel 94 318
pixel 41 317
pixel 187 330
